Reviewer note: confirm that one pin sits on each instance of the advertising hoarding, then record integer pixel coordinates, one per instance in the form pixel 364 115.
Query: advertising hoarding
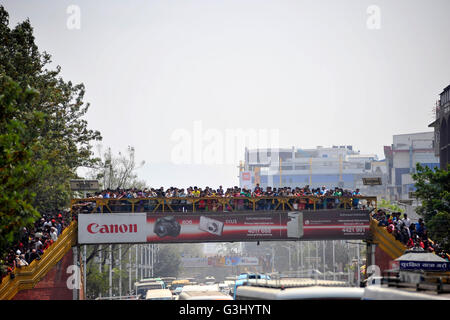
pixel 194 262
pixel 223 227
pixel 241 261
pixel 112 228
pixel 373 181
pixel 245 178
pixel 84 185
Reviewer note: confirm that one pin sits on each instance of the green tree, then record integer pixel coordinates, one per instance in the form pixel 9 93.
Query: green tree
pixel 433 189
pixel 65 140
pixel 386 204
pixel 97 282
pixel 18 170
pixel 168 263
pixel 97 270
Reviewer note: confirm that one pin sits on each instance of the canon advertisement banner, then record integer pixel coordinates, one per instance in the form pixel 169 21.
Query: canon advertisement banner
pixel 222 227
pixel 112 228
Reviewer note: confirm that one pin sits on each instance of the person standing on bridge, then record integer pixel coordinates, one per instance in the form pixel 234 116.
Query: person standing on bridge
pixel 406 221
pixel 53 234
pixel 355 201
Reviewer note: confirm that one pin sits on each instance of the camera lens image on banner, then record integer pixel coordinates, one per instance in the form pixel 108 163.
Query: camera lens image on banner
pixel 167 226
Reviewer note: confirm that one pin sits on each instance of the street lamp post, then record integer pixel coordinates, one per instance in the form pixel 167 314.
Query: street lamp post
pixel 110 270
pixel 334 262
pixel 273 260
pixel 323 262
pixel 301 254
pixel 359 273
pixel 289 253
pixel 317 254
pixel 120 270
pixel 129 271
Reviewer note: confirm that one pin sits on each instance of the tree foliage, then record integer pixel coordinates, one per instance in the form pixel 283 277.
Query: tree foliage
pixel 386 204
pixel 117 172
pixel 63 136
pixel 433 189
pixel 168 263
pixel 18 170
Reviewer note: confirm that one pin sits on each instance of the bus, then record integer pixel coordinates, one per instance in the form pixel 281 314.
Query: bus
pixel 150 280
pixel 203 295
pixel 177 285
pixel 301 293
pixel 145 284
pixel 197 287
pixel 159 294
pixel 381 292
pixel 168 281
pixel 298 289
pixel 244 277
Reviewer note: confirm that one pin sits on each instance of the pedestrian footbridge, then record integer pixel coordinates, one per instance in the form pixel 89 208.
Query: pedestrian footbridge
pixel 50 269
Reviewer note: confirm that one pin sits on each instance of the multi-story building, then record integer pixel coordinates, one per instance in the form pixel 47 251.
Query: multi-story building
pixel 442 128
pixel 338 166
pixel 402 156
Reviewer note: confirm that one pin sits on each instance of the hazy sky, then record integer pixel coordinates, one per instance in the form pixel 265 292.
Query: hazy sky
pixel 316 71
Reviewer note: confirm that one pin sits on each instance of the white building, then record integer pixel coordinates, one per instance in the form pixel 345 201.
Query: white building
pixel 338 166
pixel 402 156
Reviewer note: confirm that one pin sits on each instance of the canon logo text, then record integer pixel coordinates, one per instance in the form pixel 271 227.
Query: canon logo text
pixel 111 228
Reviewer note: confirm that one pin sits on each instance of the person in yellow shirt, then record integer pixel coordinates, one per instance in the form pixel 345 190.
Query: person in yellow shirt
pixel 196 192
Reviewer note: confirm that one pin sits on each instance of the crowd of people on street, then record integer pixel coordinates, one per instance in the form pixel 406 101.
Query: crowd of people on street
pixel 33 241
pixel 413 235
pixel 180 199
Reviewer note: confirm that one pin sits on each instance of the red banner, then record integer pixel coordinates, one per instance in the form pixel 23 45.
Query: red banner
pixel 306 225
pixel 223 227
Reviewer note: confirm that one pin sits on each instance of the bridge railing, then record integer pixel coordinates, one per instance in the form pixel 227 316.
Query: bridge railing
pixel 220 204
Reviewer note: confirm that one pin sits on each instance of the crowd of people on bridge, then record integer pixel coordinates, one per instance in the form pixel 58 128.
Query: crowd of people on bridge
pixel 33 241
pixel 181 199
pixel 413 235
pixel 220 192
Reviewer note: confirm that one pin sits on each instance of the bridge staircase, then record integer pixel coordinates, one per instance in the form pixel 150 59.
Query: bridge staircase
pixel 26 278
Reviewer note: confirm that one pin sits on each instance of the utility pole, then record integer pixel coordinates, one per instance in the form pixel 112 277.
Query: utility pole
pixel 359 273
pixel 129 271
pixel 317 255
pixel 141 262
pixel 100 263
pixel 334 261
pixel 84 271
pixel 120 270
pixel 153 259
pixel 302 249
pixel 110 270
pixel 323 254
pixel 136 246
pixel 273 260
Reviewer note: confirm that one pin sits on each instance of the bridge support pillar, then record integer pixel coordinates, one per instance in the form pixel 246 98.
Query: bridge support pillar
pixel 373 247
pixel 76 287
